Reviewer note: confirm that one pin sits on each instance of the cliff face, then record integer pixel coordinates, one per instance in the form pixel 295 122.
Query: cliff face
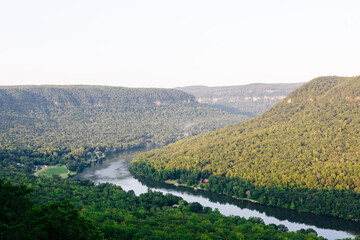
pixel 26 97
pixel 250 100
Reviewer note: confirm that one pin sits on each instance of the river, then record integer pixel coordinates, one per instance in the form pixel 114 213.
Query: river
pixel 116 170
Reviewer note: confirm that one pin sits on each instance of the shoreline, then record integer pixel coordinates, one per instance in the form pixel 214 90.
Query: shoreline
pixel 203 189
pixel 257 202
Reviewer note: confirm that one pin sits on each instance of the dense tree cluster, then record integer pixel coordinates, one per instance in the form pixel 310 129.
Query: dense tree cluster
pixel 22 219
pixel 70 124
pixel 106 211
pixel 338 203
pixel 310 142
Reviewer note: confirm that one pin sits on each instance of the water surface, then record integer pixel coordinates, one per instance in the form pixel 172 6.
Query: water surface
pixel 116 170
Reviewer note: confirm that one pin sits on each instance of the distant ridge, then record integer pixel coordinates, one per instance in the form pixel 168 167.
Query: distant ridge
pixel 74 121
pixel 250 100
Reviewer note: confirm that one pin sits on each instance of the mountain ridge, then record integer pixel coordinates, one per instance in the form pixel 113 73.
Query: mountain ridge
pixel 256 123
pixel 251 99
pixel 75 120
pixel 299 143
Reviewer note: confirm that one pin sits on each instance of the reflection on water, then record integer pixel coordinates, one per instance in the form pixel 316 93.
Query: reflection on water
pixel 116 171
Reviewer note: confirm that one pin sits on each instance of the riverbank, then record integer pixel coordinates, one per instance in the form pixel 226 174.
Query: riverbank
pixel 174 182
pixel 116 170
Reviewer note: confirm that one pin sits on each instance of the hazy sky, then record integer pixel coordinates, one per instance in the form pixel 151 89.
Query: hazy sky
pixel 150 43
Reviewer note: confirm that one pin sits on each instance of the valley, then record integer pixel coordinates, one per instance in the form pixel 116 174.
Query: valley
pixel 74 125
pixel 296 156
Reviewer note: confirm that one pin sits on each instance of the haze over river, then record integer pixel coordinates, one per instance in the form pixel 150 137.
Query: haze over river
pixel 116 170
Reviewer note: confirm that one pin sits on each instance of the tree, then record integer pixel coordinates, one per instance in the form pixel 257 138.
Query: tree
pixel 59 220
pixel 195 207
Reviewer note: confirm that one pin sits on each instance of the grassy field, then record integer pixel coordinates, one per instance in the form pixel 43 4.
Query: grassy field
pixel 50 171
pixel 172 181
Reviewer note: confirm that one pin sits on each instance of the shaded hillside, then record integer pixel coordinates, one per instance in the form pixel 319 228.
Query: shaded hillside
pixel 309 141
pixel 74 120
pixel 250 100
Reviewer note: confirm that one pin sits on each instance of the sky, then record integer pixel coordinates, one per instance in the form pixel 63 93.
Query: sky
pixel 142 43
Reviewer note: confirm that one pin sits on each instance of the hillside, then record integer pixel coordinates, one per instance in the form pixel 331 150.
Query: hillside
pixel 308 145
pixel 250 100
pixel 67 124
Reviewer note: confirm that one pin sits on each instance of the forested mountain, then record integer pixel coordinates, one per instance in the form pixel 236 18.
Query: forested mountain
pixel 67 124
pixel 250 100
pixel 303 153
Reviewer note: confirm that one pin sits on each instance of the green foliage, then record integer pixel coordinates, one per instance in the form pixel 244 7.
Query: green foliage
pixel 14 202
pixel 310 141
pixel 195 207
pixel 59 220
pixel 338 203
pixel 73 125
pixel 122 215
pixel 20 219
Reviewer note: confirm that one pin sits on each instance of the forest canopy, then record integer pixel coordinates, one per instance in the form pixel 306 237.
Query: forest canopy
pixel 309 141
pixel 72 124
pixel 68 209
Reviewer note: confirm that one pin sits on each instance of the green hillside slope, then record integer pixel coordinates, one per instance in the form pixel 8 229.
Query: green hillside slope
pixel 67 124
pixel 308 143
pixel 250 100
